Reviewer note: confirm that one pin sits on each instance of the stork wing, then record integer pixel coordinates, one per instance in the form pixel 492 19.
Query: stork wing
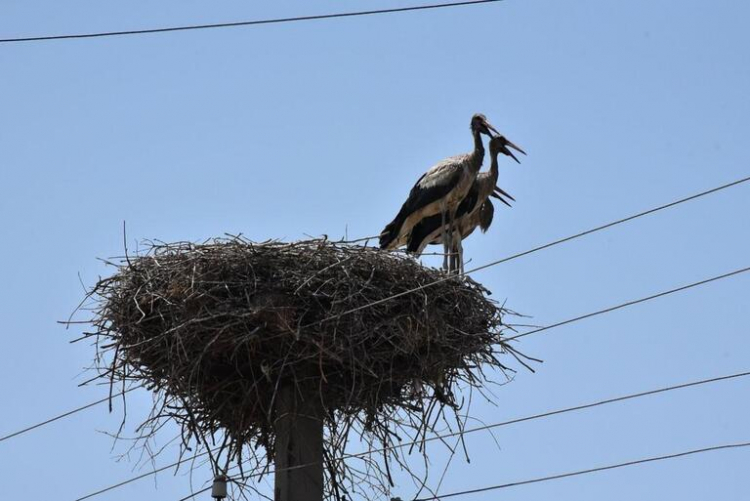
pixel 486 213
pixel 469 202
pixel 430 226
pixel 434 184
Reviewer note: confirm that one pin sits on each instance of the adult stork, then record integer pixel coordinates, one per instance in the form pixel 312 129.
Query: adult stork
pixel 439 191
pixel 475 210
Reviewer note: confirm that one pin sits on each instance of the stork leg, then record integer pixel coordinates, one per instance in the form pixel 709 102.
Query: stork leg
pixel 460 254
pixel 457 257
pixel 451 261
pixel 454 251
pixel 452 242
pixel 446 248
pixel 447 234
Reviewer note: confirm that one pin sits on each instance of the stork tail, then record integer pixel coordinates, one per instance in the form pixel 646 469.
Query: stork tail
pixel 390 232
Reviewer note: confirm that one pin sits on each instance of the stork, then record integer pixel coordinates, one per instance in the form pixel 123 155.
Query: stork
pixel 439 191
pixel 475 209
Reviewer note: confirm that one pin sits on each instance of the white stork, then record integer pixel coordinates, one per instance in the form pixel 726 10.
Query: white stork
pixel 439 191
pixel 475 209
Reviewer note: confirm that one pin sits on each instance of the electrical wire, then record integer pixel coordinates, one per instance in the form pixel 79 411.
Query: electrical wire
pixel 494 263
pixel 532 417
pixel 558 324
pixel 590 470
pixel 63 415
pixel 630 303
pixel 248 23
pixel 535 249
pixel 143 475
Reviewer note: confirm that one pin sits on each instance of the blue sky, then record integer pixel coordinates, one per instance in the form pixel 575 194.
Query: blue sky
pixel 322 128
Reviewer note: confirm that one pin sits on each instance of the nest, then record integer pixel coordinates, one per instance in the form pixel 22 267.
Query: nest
pixel 216 329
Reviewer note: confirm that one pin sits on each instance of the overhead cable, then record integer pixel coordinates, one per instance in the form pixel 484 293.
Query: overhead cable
pixel 64 414
pixel 536 249
pixel 236 24
pixel 631 303
pixel 494 263
pixel 532 417
pixel 652 459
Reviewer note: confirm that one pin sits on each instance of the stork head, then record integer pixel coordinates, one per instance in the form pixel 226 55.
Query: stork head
pixel 480 124
pixel 500 144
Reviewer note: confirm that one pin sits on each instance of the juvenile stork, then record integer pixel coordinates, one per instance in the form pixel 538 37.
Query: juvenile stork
pixel 439 191
pixel 475 209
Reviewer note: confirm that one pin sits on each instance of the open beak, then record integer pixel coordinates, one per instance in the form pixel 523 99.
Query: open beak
pixel 506 151
pixel 502 192
pixel 491 129
pixel 499 193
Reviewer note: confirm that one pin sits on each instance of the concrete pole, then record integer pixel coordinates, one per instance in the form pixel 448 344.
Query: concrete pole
pixel 299 441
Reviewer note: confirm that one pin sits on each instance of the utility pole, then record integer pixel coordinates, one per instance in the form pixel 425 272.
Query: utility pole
pixel 299 446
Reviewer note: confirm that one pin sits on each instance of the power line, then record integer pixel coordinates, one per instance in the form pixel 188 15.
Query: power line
pixel 63 415
pixel 494 263
pixel 558 324
pixel 532 417
pixel 248 23
pixel 630 303
pixel 143 475
pixel 590 470
pixel 535 249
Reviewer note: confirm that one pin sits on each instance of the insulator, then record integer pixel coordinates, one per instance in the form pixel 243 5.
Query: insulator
pixel 219 489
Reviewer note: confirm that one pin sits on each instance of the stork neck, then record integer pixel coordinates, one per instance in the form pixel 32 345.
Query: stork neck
pixel 494 174
pixel 478 153
pixel 488 180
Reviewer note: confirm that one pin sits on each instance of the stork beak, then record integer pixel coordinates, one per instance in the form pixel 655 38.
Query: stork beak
pixel 491 129
pixel 517 148
pixel 499 194
pixel 506 151
pixel 502 192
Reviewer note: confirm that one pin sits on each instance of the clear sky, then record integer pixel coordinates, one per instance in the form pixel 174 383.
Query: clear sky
pixel 322 128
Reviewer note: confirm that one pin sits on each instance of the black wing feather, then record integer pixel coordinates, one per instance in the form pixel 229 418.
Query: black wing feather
pixel 486 214
pixel 428 225
pixel 419 197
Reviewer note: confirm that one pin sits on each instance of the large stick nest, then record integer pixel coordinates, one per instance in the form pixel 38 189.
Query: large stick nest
pixel 217 328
